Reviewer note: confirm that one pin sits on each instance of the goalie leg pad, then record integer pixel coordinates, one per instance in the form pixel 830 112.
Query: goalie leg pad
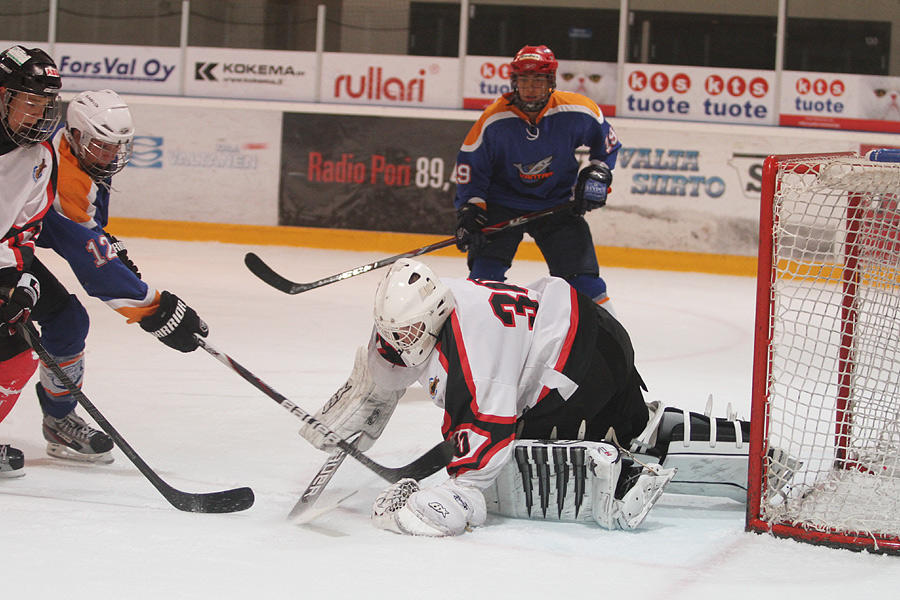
pixel 360 405
pixel 446 510
pixel 575 481
pixel 710 454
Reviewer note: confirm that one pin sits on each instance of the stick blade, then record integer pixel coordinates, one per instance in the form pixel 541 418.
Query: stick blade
pixel 426 465
pixel 265 272
pixel 227 501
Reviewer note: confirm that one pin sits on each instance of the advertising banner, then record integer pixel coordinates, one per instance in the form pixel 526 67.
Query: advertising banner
pixel 370 173
pixel 829 101
pixel 698 94
pixel 390 80
pixel 253 74
pixel 695 187
pixel 487 77
pixel 124 69
pixel 196 163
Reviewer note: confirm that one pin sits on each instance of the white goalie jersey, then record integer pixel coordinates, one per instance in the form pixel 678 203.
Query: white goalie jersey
pixel 503 351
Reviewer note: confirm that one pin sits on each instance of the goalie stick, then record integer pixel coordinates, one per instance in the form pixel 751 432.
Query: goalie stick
pixel 267 274
pixel 428 464
pixel 225 501
pixel 302 511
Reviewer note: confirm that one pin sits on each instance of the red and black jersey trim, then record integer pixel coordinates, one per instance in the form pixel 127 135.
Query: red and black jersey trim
pixel 461 410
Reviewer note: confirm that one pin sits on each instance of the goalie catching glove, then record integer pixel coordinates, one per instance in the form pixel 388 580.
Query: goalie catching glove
pixel 175 324
pixel 360 405
pixel 446 510
pixel 592 188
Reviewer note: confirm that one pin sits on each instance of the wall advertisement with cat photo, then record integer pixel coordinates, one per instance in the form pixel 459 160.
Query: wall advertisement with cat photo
pixel 840 101
pixel 487 77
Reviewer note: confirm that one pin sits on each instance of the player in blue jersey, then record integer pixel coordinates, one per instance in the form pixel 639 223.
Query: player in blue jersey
pixel 518 158
pixel 95 144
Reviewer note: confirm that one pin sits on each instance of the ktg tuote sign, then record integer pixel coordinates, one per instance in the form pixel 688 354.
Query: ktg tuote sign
pixel 698 94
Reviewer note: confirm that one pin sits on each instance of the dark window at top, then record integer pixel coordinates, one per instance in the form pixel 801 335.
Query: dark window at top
pixel 572 33
pixel 433 29
pixel 828 46
pixel 702 40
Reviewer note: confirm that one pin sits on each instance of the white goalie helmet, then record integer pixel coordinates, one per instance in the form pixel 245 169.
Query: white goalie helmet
pixel 100 130
pixel 411 306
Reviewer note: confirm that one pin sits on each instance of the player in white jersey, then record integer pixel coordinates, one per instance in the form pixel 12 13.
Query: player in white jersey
pixel 504 362
pixel 538 386
pixel 29 112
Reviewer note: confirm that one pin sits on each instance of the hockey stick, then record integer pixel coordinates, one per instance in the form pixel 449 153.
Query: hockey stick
pixel 267 274
pixel 214 502
pixel 428 464
pixel 302 511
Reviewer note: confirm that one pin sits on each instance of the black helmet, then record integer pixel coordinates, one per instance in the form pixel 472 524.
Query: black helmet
pixel 31 73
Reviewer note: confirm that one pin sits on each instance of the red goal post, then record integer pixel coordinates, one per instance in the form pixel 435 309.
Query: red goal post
pixel 825 435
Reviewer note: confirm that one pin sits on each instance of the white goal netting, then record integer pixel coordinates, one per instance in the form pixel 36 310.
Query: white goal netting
pixel 832 352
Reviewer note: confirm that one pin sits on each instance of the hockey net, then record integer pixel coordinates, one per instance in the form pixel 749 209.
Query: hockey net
pixel 825 440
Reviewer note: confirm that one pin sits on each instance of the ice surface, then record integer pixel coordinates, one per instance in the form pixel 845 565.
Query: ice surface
pixel 88 532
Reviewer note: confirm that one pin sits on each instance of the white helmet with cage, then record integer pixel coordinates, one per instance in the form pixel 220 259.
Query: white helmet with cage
pixel 411 306
pixel 100 130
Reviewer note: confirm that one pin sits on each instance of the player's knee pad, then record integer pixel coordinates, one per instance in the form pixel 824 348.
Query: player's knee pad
pixel 490 269
pixel 710 453
pixel 65 328
pixel 576 481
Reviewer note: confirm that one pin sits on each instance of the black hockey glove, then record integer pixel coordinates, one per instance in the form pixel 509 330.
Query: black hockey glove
pixel 17 307
pixel 470 221
pixel 175 324
pixel 119 248
pixel 592 187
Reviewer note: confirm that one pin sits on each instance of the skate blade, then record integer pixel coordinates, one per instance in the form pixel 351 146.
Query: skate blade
pixel 12 474
pixel 66 453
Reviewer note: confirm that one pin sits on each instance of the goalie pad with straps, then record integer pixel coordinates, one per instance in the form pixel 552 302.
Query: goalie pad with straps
pixel 360 405
pixel 576 481
pixel 710 453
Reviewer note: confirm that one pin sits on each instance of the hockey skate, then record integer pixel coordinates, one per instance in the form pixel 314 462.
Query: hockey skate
pixel 12 462
pixel 71 438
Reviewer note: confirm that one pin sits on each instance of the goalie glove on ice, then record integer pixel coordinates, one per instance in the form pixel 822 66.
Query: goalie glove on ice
pixel 442 511
pixel 360 405
pixel 17 306
pixel 175 323
pixel 592 188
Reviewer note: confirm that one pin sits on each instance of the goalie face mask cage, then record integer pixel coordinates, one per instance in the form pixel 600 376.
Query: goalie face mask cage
pixel 826 377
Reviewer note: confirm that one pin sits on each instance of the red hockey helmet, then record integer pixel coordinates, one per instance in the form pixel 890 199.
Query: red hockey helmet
pixel 533 60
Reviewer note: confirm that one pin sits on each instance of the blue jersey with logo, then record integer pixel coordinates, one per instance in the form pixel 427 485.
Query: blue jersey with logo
pixel 74 229
pixel 506 160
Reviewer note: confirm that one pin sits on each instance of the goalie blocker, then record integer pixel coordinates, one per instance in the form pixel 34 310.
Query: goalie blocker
pixel 358 406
